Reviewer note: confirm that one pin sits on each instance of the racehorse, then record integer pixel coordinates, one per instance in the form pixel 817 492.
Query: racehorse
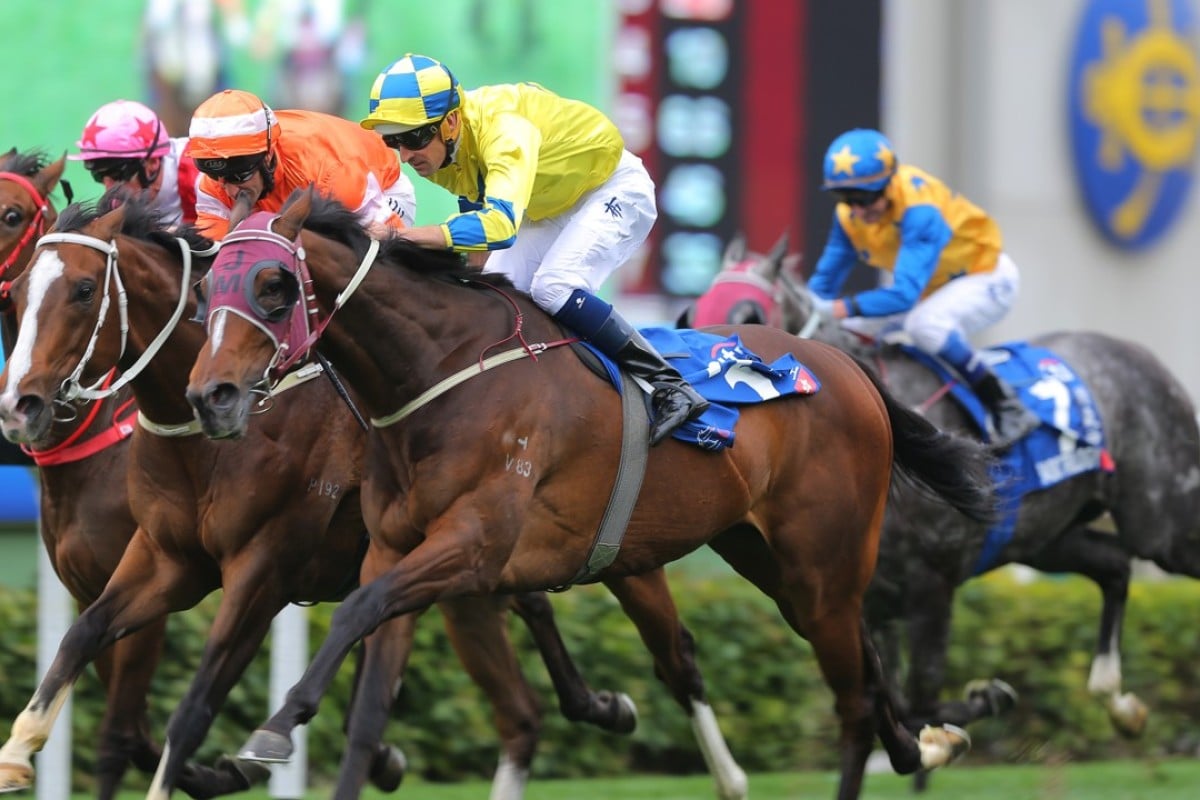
pixel 795 506
pixel 85 520
pixel 200 529
pixel 1149 491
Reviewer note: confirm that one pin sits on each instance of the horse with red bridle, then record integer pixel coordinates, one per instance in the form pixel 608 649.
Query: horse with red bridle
pixel 796 506
pixel 84 515
pixel 271 519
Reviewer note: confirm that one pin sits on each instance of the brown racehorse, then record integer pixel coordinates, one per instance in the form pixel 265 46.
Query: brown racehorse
pixel 85 520
pixel 201 527
pixel 795 507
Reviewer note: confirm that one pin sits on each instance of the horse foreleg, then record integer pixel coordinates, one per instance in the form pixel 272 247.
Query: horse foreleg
pixel 578 702
pixel 143 588
pixel 435 570
pixel 382 661
pixel 646 600
pixel 1098 556
pixel 126 670
pixel 249 604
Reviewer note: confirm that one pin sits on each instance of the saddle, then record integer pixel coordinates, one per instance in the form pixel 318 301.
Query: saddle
pixel 1069 442
pixel 725 373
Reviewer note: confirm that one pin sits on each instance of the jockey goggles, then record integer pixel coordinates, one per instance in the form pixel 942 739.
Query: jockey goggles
pixel 238 169
pixel 856 197
pixel 119 169
pixel 416 139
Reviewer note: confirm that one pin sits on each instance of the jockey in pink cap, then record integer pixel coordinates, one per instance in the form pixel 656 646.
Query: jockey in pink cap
pixel 124 142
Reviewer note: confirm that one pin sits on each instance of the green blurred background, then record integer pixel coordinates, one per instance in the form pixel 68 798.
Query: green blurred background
pixel 65 58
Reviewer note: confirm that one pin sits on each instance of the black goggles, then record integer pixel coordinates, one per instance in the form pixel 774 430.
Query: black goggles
pixel 857 197
pixel 416 139
pixel 119 169
pixel 238 169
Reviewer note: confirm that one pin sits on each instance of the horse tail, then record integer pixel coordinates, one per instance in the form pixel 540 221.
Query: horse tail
pixel 952 467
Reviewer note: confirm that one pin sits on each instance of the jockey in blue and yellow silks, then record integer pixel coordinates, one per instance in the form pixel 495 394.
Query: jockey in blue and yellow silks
pixel 548 195
pixel 950 275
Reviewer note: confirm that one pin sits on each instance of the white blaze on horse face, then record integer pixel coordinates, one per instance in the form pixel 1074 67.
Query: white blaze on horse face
pixel 216 330
pixel 42 274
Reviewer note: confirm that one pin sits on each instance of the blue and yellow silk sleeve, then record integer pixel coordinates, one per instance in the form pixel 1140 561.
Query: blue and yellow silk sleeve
pixel 508 155
pixel 835 263
pixel 923 235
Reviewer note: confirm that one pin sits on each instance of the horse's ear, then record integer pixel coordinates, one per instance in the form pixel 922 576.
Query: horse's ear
pixel 735 251
pixel 779 250
pixel 791 265
pixel 109 225
pixel 295 211
pixel 49 175
pixel 243 204
pixel 684 320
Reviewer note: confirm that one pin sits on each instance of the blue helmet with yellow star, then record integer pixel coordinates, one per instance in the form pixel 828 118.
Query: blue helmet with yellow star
pixel 859 159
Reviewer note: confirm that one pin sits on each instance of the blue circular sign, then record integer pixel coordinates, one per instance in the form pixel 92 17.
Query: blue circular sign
pixel 1135 114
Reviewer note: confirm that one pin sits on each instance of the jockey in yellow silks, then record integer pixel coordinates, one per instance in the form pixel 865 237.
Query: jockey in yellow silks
pixel 548 196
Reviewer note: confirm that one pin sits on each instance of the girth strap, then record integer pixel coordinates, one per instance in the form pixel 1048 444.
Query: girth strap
pixel 635 451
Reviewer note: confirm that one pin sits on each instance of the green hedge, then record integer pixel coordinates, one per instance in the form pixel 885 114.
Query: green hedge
pixel 764 685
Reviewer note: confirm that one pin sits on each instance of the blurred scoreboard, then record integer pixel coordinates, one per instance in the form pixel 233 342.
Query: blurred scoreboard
pixel 713 95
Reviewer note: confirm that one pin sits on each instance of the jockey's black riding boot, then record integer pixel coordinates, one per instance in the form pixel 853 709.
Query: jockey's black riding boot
pixel 674 400
pixel 1011 419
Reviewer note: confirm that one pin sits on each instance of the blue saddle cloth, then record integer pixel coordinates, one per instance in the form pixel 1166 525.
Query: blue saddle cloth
pixel 726 374
pixel 1069 442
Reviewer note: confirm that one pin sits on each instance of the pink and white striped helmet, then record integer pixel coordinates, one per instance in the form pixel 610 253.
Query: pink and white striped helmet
pixel 122 129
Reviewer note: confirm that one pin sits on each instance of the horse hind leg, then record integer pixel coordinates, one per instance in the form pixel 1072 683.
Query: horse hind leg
pixel 577 701
pixel 477 630
pixel 646 600
pixel 1098 556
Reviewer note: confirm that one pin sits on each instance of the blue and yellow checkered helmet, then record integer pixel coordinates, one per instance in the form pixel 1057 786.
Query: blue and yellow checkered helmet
pixel 859 159
pixel 411 92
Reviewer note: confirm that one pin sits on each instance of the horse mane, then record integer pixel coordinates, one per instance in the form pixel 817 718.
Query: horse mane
pixel 28 163
pixel 331 219
pixel 142 220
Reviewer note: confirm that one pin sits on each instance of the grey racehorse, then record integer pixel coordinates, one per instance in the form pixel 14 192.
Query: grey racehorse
pixel 1093 524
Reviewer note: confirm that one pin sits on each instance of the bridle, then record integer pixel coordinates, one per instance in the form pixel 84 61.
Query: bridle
pixel 36 227
pixel 72 387
pixel 245 252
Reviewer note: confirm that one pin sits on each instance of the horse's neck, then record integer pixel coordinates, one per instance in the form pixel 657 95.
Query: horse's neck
pixel 160 388
pixel 401 333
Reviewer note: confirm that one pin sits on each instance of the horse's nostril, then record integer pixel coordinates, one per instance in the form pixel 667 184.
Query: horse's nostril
pixel 223 396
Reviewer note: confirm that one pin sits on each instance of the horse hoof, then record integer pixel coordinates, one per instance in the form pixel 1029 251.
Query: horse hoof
pixel 246 773
pixel 267 747
pixel 15 777
pixel 997 695
pixel 388 768
pixel 942 745
pixel 627 715
pixel 1128 715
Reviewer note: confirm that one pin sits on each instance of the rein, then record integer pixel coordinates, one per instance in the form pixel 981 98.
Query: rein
pixel 526 350
pixel 72 389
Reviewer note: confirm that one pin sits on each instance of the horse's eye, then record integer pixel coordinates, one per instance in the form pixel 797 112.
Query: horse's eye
pixel 13 217
pixel 85 291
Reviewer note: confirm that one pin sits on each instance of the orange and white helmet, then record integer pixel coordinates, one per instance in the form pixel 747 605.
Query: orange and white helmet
pixel 232 123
